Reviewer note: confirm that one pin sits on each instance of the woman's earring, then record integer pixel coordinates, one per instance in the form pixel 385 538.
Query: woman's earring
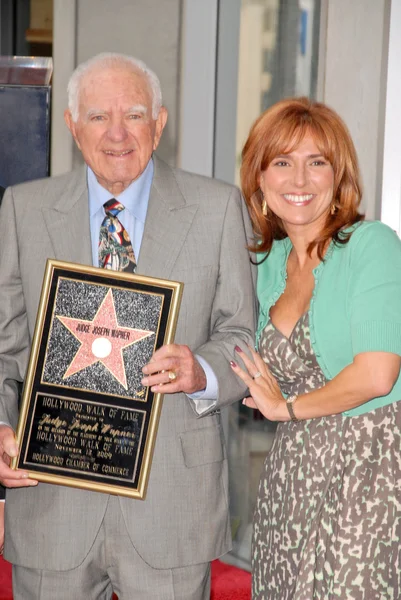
pixel 264 207
pixel 333 209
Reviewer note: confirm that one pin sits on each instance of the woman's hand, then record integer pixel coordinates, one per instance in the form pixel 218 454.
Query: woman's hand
pixel 265 391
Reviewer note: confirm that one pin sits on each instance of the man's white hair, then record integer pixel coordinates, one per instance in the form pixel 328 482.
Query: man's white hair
pixel 109 60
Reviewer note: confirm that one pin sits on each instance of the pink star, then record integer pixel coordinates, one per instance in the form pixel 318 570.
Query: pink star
pixel 102 340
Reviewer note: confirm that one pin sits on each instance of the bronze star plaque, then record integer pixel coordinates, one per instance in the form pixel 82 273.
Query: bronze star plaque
pixel 86 420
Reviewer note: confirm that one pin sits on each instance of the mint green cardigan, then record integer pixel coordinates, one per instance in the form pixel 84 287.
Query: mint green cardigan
pixel 356 302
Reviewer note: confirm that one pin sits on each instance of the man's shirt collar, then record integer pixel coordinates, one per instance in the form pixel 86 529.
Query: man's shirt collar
pixel 135 197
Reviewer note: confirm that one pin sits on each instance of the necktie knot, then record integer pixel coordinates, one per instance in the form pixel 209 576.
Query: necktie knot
pixel 112 207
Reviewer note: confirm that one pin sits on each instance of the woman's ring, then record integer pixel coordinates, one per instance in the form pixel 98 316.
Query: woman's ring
pixel 172 375
pixel 257 374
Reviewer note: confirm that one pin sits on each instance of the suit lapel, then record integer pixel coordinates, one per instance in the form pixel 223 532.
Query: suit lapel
pixel 168 220
pixel 67 221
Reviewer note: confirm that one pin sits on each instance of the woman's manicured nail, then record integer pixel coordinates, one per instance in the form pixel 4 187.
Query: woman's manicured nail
pixel 237 349
pixel 232 363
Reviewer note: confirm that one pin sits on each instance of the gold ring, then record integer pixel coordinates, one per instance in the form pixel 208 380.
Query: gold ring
pixel 172 375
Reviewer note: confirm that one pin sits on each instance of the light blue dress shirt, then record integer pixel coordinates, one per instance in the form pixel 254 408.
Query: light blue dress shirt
pixel 135 199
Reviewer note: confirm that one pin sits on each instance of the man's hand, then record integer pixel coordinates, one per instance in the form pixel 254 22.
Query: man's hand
pixel 9 449
pixel 174 368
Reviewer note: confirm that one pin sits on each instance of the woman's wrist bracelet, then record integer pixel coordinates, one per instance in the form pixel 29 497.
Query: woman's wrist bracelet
pixel 290 406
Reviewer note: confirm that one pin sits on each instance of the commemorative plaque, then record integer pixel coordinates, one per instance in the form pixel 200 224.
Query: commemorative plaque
pixel 86 420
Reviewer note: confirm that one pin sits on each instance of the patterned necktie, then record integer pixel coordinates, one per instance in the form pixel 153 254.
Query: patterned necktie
pixel 115 248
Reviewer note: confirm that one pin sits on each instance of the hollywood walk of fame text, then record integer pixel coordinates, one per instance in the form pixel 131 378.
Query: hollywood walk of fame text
pixel 85 437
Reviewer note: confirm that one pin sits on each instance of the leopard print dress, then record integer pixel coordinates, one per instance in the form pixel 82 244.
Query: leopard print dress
pixel 327 522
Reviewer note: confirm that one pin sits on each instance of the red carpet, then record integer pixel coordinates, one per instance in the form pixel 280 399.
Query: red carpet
pixel 228 583
pixel 5 580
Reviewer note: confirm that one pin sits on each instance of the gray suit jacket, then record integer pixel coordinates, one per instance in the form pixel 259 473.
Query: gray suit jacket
pixel 195 233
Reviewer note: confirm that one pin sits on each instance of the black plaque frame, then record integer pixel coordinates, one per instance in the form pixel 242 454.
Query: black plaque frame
pixel 94 426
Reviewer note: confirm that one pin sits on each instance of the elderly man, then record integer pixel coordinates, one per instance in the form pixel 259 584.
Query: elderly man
pixel 68 543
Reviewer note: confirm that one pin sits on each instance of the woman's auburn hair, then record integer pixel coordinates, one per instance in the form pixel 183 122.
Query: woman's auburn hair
pixel 279 130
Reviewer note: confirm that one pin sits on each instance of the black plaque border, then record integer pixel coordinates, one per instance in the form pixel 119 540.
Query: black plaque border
pixel 151 405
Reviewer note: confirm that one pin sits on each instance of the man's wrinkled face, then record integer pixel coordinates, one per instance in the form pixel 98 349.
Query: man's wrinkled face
pixel 115 131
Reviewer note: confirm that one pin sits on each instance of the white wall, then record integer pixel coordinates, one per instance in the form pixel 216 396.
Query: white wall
pixel 64 62
pixel 197 99
pixel 354 82
pixel 391 191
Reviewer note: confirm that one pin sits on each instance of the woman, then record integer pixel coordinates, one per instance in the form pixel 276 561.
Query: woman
pixel 328 515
